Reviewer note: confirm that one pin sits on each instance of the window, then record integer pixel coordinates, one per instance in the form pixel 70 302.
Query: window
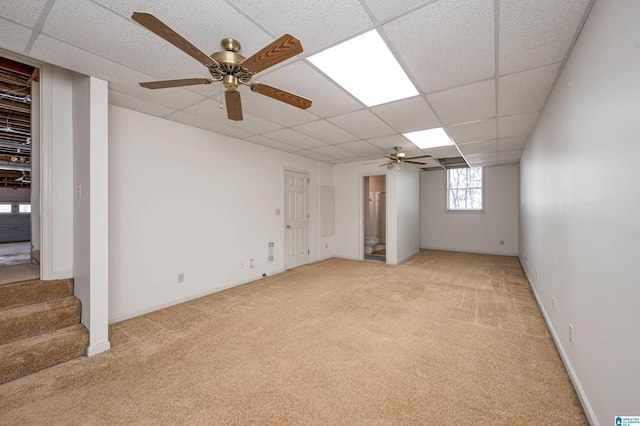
pixel 5 208
pixel 24 208
pixel 464 189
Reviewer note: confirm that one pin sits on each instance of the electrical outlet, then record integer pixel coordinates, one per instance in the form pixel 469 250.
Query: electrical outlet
pixel 180 277
pixel 242 264
pixel 571 333
pixel 553 304
pixel 326 245
pixel 501 242
pixel 252 263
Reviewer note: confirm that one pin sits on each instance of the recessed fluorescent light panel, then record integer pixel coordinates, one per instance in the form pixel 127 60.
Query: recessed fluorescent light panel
pixel 431 138
pixel 365 67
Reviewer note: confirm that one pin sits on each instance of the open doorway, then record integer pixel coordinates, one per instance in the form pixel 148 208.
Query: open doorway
pixel 375 217
pixel 16 162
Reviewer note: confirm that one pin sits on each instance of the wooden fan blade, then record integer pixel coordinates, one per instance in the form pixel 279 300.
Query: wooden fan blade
pixel 386 164
pixel 281 95
pixel 234 105
pixel 282 49
pixel 163 84
pixel 414 162
pixel 161 29
pixel 418 156
pixel 374 162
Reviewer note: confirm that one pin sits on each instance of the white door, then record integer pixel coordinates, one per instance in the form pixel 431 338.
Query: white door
pixel 296 219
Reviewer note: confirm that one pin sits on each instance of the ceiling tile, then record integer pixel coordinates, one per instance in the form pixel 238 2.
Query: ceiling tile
pixel 517 125
pixel 482 158
pixel 262 140
pixel 334 152
pixel 362 148
pixel 476 163
pixel 479 147
pixel 293 138
pixel 509 155
pixel 84 24
pixel 299 78
pixel 326 132
pixel 447 43
pixel 467 103
pixel 203 25
pixel 473 131
pixel 120 77
pixel 388 143
pixel 14 37
pixel 526 91
pixel 314 156
pixel 510 144
pixel 125 101
pixel 191 120
pixel 363 124
pixel 407 115
pixel 273 110
pixel 443 151
pixel 209 109
pixel 385 9
pixel 23 12
pixel 315 23
pixel 537 33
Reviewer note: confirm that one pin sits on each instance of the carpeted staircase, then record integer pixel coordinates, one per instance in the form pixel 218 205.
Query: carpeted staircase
pixel 39 327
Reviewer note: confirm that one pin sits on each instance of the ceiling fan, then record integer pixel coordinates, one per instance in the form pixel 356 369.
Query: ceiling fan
pixel 398 158
pixel 228 65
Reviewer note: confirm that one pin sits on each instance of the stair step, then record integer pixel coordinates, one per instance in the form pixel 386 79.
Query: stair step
pixel 27 356
pixel 37 318
pixel 33 291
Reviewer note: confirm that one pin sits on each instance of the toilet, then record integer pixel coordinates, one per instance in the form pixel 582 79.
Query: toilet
pixel 370 243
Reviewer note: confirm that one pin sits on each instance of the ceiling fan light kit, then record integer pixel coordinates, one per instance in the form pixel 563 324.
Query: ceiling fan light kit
pixel 228 66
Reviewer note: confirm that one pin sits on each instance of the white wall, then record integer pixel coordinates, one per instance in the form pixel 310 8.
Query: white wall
pixel 90 209
pixel 579 226
pixel 56 147
pixel 471 232
pixel 185 200
pixel 408 212
pixel 327 243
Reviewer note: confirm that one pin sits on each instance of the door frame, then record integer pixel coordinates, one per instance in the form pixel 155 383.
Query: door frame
pixel 43 167
pixel 362 212
pixel 284 215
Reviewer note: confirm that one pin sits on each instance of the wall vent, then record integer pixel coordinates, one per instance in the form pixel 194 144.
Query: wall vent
pixel 270 258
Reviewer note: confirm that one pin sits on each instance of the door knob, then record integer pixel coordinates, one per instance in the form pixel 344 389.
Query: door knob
pixel 288 226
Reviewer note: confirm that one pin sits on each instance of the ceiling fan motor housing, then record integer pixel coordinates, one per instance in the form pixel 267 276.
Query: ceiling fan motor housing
pixel 230 71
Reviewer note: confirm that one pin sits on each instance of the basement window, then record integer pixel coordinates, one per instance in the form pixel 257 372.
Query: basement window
pixel 464 190
pixel 5 208
pixel 24 208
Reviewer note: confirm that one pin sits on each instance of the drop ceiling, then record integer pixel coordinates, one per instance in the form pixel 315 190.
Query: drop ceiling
pixel 484 68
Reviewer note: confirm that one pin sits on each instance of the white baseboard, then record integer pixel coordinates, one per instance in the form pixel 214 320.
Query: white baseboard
pixel 565 359
pixel 99 348
pixel 404 259
pixel 347 257
pixel 150 309
pixel 470 251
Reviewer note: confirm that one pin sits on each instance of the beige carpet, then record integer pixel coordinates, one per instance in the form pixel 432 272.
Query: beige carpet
pixel 446 338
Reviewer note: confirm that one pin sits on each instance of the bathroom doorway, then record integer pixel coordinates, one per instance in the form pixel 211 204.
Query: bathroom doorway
pixel 375 217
